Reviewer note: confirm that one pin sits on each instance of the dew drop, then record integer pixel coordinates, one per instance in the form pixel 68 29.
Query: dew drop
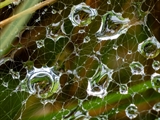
pixel 115 47
pixel 5 84
pixel 4 60
pixel 123 89
pixel 53 11
pixel 15 75
pixel 98 84
pixel 43 82
pixel 38 19
pixel 43 12
pixel 46 101
pixel 24 102
pixel 112 26
pixel 136 68
pixel 9 6
pixel 156 65
pixel 149 48
pixel 86 39
pixel 156 107
pixel 53 30
pixel 108 2
pixel 81 31
pixel 16 2
pixel 131 111
pixel 95 90
pixel 129 52
pixel 155 81
pixel 82 15
pixel 40 43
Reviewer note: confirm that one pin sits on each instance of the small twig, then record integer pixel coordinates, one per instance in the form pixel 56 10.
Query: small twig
pixel 28 11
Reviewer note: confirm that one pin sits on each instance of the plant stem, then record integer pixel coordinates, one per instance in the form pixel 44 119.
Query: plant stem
pixel 25 12
pixel 11 30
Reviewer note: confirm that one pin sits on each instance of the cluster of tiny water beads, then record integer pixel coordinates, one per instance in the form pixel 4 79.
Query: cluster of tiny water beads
pixel 44 82
pixel 150 48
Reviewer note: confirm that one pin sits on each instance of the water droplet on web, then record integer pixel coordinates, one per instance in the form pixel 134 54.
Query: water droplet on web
pixel 53 11
pixel 2 61
pixel 129 52
pixel 155 80
pixel 96 90
pixel 43 82
pixel 9 6
pixel 112 26
pixel 43 12
pixel 86 39
pixel 46 101
pixel 82 15
pixel 149 48
pixel 115 47
pixel 15 75
pixel 156 65
pixel 97 85
pixel 40 43
pixel 136 68
pixel 156 107
pixel 38 19
pixel 81 31
pixel 108 2
pixel 131 111
pixel 53 30
pixel 123 89
pixel 16 2
pixel 5 84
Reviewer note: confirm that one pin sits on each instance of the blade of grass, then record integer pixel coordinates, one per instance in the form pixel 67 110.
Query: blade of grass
pixel 16 25
pixel 109 99
pixel 25 12
pixel 122 107
pixel 5 3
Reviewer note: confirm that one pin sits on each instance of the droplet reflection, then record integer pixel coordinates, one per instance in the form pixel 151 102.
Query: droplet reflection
pixel 156 107
pixel 43 82
pixel 131 111
pixel 156 65
pixel 112 26
pixel 123 89
pixel 136 68
pixel 82 15
pixel 155 80
pixel 149 48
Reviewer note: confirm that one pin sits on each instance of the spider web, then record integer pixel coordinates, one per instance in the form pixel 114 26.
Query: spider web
pixel 84 60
